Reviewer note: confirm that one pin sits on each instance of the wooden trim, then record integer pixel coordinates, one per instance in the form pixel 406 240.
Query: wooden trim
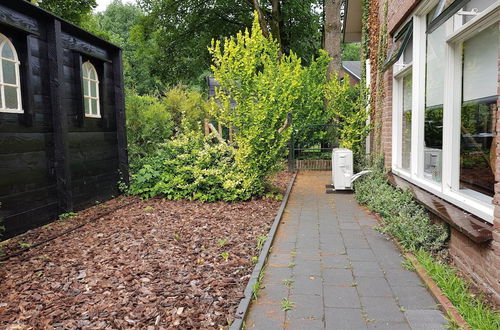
pixel 59 118
pixel 471 226
pixel 120 115
pixel 80 111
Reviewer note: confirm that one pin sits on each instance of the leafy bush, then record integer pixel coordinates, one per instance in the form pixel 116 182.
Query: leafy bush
pixel 191 167
pixel 152 120
pixel 265 87
pixel 402 216
pixel 349 113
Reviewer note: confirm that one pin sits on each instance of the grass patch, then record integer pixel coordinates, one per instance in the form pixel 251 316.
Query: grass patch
pixel 472 308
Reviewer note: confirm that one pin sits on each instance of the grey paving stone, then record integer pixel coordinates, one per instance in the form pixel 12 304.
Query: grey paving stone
pixel 366 269
pixel 265 316
pixel 382 309
pixel 360 254
pixel 388 325
pixel 276 275
pixel 307 285
pixel 307 268
pixel 307 307
pixel 402 277
pixel 359 243
pixel 279 258
pixel 274 291
pixel 341 297
pixel 373 287
pixel 412 297
pixel 349 225
pixel 335 261
pixel 344 319
pixel 338 277
pixel 426 319
pixel 303 324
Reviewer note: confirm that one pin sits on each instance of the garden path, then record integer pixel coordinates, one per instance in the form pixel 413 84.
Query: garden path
pixel 345 274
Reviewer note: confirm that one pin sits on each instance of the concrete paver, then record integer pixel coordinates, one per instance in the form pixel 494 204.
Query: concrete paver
pixel 344 274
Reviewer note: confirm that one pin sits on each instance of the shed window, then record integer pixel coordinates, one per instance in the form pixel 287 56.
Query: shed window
pixel 90 90
pixel 10 86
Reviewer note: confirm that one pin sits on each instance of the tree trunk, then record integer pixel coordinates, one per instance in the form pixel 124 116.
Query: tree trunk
pixel 332 35
pixel 276 22
pixel 262 17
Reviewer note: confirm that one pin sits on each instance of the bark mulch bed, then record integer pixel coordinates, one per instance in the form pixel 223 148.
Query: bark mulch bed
pixel 142 264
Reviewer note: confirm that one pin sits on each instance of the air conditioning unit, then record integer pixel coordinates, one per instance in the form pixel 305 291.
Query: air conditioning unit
pixel 432 163
pixel 342 170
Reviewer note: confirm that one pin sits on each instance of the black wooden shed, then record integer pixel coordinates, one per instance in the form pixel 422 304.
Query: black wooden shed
pixel 62 117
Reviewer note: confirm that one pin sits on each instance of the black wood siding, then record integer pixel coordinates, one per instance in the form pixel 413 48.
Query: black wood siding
pixel 53 159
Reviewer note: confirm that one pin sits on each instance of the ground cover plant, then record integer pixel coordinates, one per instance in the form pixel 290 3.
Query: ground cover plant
pixel 148 263
pixel 409 222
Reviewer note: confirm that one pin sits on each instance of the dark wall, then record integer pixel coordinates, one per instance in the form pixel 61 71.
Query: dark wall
pixel 30 186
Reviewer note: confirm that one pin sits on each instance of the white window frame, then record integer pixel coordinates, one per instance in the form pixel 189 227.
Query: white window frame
pixel 89 67
pixel 448 189
pixel 4 41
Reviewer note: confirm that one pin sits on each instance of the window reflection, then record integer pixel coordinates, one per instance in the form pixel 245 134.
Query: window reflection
pixel 406 122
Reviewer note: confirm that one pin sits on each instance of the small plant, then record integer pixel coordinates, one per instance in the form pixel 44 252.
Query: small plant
pixel 286 304
pixel 224 255
pixel 176 236
pixel 406 263
pixel 97 202
pixel 288 282
pixel 255 260
pixel 67 215
pixel 291 264
pixel 260 242
pixel 354 284
pixel 257 284
pixel 24 244
pixel 149 208
pixel 221 242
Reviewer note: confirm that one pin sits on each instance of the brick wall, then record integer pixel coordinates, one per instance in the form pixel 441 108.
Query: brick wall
pixel 478 262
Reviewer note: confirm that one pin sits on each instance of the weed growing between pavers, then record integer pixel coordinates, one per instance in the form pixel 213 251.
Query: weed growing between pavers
pixel 409 222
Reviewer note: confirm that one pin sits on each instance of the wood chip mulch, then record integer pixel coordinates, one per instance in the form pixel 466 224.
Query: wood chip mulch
pixel 144 264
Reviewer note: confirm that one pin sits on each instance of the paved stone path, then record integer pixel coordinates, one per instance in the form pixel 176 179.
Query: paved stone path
pixel 345 274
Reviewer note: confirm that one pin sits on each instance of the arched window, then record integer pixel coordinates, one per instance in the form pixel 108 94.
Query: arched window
pixel 10 86
pixel 90 90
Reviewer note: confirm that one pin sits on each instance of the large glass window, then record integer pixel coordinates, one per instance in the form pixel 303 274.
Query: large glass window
pixel 10 87
pixel 90 90
pixel 434 94
pixel 478 113
pixel 406 122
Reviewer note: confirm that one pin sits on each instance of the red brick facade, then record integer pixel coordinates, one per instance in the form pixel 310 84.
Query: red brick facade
pixel 478 262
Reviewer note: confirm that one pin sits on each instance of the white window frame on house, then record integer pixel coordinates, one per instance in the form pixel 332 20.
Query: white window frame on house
pixel 448 189
pixel 5 42
pixel 88 68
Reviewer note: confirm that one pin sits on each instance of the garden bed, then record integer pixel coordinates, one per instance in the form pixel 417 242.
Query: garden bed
pixel 140 264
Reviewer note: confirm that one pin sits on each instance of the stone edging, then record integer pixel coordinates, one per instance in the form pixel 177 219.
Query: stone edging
pixel 244 305
pixel 445 304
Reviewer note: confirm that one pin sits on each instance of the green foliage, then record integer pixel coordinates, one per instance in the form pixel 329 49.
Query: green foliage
pixel 67 215
pixel 472 308
pixel 149 123
pixel 351 52
pixel 75 11
pixel 286 304
pixel 152 120
pixel 264 87
pixel 192 167
pixel 402 216
pixel 349 113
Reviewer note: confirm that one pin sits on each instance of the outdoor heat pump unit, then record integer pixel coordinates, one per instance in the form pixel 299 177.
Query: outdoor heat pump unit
pixel 342 170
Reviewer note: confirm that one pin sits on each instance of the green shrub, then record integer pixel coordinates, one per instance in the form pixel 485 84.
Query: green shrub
pixel 265 86
pixel 191 167
pixel 402 216
pixel 152 120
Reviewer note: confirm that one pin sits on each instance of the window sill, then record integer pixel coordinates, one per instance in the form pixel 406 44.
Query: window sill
pixel 471 226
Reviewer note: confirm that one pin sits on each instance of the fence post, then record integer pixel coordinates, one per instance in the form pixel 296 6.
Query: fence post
pixel 291 151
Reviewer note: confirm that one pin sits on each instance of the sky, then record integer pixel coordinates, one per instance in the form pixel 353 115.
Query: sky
pixel 102 4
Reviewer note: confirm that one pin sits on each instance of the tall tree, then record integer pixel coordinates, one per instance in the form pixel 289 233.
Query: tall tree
pixel 182 30
pixel 332 35
pixel 74 11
